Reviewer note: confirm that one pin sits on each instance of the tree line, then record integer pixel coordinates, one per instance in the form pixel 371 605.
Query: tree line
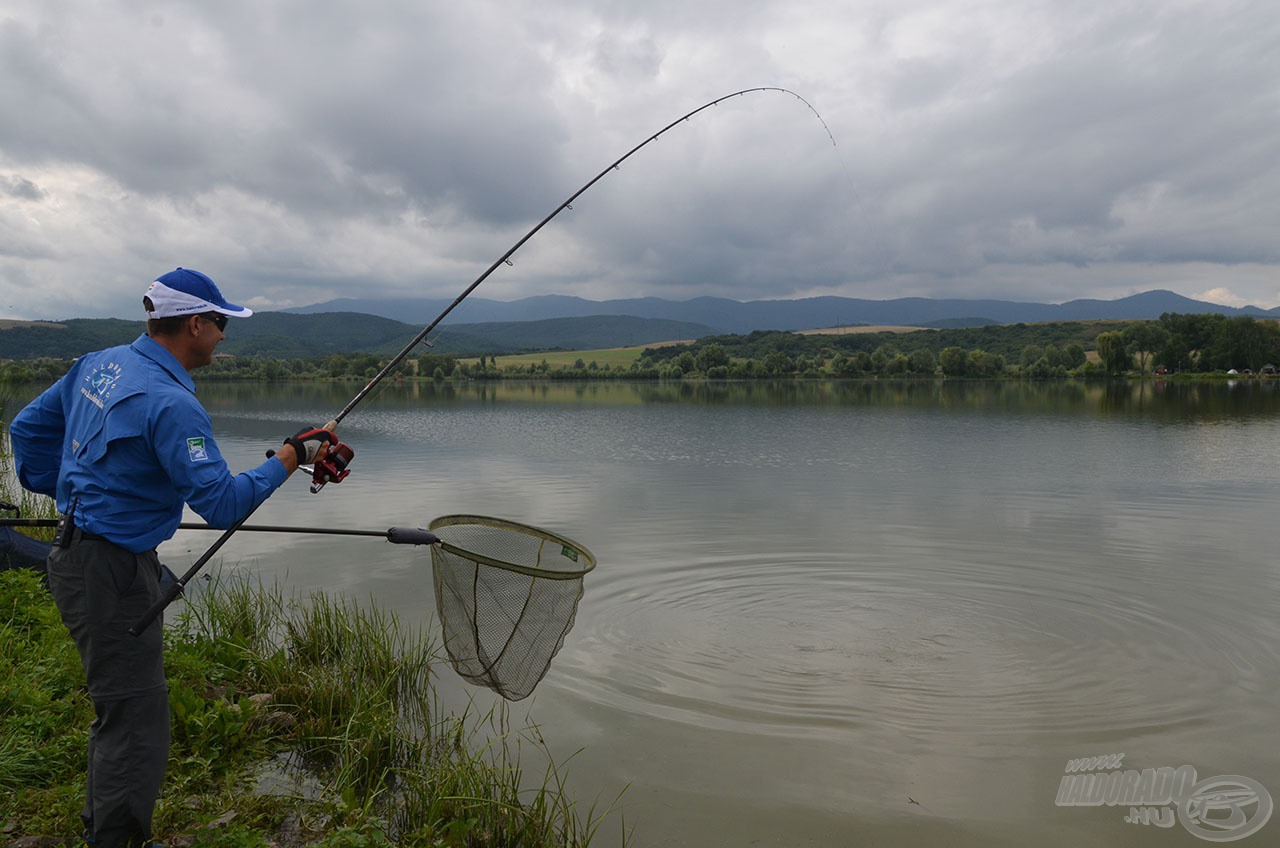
pixel 1173 343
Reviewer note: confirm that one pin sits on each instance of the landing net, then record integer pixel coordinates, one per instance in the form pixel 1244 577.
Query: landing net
pixel 507 595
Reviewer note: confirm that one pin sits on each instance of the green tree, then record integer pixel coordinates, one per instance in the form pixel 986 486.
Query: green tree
pixel 1143 339
pixel 898 364
pixel 922 362
pixel 1073 355
pixel 983 364
pixel 1114 353
pixel 952 361
pixel 881 357
pixel 778 363
pixel 1242 342
pixel 711 356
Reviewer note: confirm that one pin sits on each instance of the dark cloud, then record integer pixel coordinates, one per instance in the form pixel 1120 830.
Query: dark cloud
pixel 20 187
pixel 314 148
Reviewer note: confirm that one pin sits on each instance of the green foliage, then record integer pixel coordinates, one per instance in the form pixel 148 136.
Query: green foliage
pixel 1177 342
pixel 952 361
pixel 980 363
pixel 67 339
pixel 1214 342
pixel 1143 339
pixel 282 335
pixel 1114 353
pixel 711 356
pixel 43 714
pixel 1073 355
pixel 343 689
pixel 922 361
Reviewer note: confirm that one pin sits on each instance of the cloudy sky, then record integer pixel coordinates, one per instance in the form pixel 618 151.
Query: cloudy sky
pixel 301 151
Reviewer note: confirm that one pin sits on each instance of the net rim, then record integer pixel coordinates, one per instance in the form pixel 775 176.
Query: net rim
pixel 506 524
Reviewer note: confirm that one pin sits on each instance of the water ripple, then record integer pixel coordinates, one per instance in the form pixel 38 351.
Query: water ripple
pixel 806 645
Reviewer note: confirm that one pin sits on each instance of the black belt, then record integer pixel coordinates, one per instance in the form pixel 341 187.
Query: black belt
pixel 67 529
pixel 68 532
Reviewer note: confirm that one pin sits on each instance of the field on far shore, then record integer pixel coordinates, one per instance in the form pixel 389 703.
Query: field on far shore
pixel 862 328
pixel 566 358
pixel 627 355
pixel 10 323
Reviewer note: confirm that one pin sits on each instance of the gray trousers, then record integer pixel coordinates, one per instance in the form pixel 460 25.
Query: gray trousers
pixel 101 590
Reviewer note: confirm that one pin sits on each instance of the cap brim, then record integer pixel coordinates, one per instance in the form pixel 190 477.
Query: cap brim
pixel 233 310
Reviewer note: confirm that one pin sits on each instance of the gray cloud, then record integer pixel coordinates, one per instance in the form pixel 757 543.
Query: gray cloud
pixel 307 151
pixel 21 188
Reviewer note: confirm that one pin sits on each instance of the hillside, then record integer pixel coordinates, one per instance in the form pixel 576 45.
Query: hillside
pixel 731 316
pixel 290 336
pixel 1007 340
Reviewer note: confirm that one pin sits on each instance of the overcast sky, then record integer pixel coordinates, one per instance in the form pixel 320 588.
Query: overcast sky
pixel 302 151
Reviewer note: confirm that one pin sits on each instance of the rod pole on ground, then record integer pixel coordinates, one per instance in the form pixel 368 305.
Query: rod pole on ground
pixel 248 528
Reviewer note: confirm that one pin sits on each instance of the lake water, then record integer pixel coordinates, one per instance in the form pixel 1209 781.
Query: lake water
pixel 840 614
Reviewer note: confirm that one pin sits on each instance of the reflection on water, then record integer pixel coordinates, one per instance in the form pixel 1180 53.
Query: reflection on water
pixel 842 613
pixel 1160 400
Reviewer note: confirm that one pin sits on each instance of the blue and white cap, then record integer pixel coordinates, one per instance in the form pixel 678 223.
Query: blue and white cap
pixel 186 292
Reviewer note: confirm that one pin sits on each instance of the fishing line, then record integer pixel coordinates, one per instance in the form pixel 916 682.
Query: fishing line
pixel 505 259
pixel 507 593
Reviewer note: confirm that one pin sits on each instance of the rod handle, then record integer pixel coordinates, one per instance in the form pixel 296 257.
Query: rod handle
pixel 331 426
pixel 166 597
pixel 411 536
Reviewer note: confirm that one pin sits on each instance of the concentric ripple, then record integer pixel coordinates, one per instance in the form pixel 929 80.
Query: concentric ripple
pixel 805 645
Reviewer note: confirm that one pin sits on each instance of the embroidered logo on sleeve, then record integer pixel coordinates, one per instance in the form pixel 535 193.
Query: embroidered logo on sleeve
pixel 196 449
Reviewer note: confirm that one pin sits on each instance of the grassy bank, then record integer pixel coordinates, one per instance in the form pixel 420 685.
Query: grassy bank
pixel 294 723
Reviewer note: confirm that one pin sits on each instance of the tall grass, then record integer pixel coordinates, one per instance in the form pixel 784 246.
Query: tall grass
pixel 335 693
pixel 30 504
pixel 336 696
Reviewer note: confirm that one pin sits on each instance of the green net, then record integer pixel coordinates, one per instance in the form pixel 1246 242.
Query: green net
pixel 507 595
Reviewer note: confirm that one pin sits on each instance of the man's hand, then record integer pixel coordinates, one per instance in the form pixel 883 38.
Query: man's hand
pixel 310 444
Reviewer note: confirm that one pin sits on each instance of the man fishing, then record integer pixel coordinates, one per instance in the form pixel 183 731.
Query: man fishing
pixel 121 443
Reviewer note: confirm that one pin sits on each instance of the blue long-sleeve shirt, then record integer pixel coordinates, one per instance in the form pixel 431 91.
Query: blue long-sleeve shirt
pixel 123 436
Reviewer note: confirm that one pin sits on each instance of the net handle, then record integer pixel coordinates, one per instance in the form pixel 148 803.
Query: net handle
pixel 504 524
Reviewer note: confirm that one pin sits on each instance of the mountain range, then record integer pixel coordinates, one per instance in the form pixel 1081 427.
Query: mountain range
pixel 479 326
pixel 732 316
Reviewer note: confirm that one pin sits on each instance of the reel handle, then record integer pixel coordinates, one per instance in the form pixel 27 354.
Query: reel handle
pixel 333 468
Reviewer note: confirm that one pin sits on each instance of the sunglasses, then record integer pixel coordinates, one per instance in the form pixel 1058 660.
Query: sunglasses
pixel 217 318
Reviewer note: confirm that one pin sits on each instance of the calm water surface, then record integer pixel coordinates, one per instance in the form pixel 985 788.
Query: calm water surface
pixel 857 614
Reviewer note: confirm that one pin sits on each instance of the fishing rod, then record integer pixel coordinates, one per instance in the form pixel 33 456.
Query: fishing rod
pixel 334 468
pixel 394 535
pixel 567 204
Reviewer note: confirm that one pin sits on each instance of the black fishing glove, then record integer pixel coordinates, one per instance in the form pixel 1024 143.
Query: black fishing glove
pixel 307 441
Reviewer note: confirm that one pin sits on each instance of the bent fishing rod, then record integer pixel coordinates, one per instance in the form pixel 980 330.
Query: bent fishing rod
pixel 334 468
pixel 567 204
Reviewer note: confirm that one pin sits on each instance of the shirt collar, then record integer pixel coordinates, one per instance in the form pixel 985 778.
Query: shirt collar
pixel 160 355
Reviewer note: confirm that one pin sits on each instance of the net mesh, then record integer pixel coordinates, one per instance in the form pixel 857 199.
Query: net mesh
pixel 507 595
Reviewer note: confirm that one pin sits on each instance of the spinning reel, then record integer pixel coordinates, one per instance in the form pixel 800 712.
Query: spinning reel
pixel 333 468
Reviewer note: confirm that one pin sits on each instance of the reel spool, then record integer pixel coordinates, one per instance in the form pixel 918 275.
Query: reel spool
pixel 333 468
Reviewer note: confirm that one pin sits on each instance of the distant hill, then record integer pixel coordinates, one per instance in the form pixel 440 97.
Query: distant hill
pixel 569 323
pixel 732 316
pixel 66 339
pixel 284 335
